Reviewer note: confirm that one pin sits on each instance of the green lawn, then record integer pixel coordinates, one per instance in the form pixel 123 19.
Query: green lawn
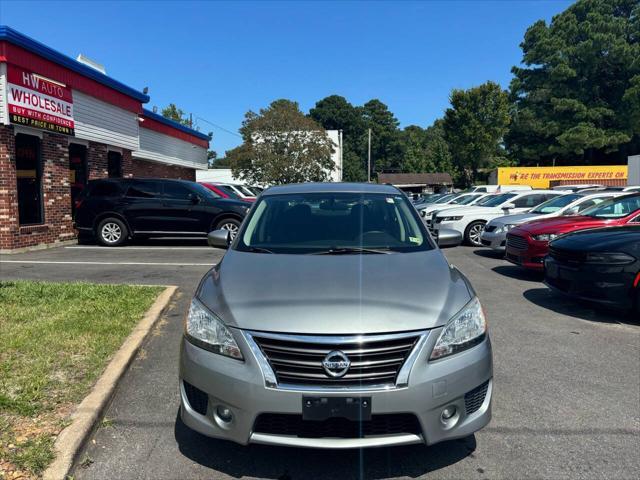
pixel 55 341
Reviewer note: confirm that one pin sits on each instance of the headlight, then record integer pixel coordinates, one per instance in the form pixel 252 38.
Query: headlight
pixel 466 329
pixel 505 228
pixel 610 258
pixel 545 237
pixel 451 219
pixel 207 331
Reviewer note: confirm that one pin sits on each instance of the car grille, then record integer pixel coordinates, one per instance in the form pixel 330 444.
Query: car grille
pixel 375 359
pixel 566 256
pixel 514 241
pixel 489 228
pixel 474 399
pixel 294 425
pixel 197 398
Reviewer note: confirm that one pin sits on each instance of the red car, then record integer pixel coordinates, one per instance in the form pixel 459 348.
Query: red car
pixel 528 244
pixel 224 192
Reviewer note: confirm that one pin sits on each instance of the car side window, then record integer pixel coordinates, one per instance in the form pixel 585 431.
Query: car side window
pixel 104 189
pixel 528 201
pixel 587 204
pixel 138 189
pixel 177 191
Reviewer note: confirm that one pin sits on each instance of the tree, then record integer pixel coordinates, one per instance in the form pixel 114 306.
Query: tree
pixel 577 97
pixel 386 144
pixel 336 113
pixel 474 127
pixel 172 112
pixel 281 145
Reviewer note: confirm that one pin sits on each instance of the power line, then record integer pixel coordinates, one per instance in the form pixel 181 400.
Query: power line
pixel 219 127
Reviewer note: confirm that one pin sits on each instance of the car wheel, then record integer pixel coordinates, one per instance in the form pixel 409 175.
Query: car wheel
pixel 473 232
pixel 112 232
pixel 230 224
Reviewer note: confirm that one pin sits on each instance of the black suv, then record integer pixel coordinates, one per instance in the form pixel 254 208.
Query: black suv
pixel 112 210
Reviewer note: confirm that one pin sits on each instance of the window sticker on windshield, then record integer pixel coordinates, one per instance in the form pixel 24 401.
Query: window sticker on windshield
pixel 389 200
pixel 414 239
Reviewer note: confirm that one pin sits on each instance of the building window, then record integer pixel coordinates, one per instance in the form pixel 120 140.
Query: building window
pixel 77 171
pixel 29 176
pixel 114 164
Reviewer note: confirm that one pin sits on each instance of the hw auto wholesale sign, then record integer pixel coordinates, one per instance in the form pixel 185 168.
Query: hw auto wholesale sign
pixel 38 102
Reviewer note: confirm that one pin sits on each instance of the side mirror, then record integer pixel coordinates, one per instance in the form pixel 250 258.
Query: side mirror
pixel 508 206
pixel 449 238
pixel 219 239
pixel 195 199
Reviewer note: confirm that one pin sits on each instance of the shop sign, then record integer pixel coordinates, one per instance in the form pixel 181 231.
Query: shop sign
pixel 39 102
pixel 541 177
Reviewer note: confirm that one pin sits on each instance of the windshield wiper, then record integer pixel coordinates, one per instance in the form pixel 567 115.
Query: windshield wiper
pixel 258 250
pixel 350 250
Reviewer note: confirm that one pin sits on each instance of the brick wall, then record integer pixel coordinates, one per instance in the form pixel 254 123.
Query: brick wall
pixel 8 188
pixel 143 168
pixel 56 194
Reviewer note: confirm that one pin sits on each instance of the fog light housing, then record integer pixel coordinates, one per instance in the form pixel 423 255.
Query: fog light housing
pixel 224 413
pixel 448 413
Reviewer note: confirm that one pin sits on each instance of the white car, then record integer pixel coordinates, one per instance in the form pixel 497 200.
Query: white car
pixel 470 220
pixel 456 201
pixel 495 232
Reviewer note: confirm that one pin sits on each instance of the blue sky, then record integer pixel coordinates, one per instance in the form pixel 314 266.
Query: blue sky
pixel 220 59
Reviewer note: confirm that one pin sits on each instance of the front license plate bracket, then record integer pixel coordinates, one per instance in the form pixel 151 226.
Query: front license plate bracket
pixel 323 408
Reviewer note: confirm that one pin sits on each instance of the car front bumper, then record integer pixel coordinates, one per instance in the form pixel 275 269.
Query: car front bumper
pixel 609 285
pixel 240 387
pixel 494 240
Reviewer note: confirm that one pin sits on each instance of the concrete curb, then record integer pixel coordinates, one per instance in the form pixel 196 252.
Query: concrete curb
pixel 87 414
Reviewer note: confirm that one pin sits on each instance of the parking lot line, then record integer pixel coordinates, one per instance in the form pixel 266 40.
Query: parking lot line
pixel 89 247
pixel 53 262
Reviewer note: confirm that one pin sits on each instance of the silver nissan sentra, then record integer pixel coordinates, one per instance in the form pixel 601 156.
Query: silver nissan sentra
pixel 334 321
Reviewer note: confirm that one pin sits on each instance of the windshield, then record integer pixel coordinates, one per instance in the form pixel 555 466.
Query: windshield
pixel 465 200
pixel 498 199
pixel 556 203
pixel 485 199
pixel 618 207
pixel 447 198
pixel 245 190
pixel 325 222
pixel 229 191
pixel 204 191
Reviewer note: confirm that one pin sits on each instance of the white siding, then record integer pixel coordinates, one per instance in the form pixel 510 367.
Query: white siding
pixel 101 122
pixel 156 146
pixel 4 115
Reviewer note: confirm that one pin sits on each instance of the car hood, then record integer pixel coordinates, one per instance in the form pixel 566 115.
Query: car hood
pixel 334 294
pixel 435 206
pixel 563 224
pixel 473 210
pixel 602 239
pixel 514 219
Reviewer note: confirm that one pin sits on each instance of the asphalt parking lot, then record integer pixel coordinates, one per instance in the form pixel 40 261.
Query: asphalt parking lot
pixel 566 400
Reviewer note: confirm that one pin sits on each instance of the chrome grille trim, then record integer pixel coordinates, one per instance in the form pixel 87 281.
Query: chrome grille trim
pixel 284 373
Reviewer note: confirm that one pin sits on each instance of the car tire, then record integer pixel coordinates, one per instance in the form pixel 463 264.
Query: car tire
pixel 473 232
pixel 112 232
pixel 230 224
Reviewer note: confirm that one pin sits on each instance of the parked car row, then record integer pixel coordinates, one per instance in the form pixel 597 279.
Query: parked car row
pixel 587 244
pixel 586 239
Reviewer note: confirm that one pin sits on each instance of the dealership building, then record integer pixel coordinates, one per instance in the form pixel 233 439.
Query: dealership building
pixel 64 122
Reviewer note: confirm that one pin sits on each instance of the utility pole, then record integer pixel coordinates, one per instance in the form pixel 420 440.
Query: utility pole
pixel 369 160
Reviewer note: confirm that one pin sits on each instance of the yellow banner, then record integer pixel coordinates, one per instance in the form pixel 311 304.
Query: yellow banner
pixel 541 177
